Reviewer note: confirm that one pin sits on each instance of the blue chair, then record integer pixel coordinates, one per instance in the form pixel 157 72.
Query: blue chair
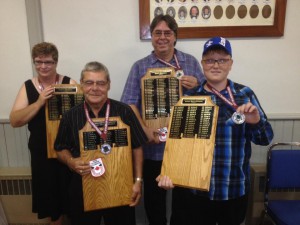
pixel 282 177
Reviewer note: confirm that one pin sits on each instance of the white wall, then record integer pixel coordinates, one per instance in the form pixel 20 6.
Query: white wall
pixel 86 30
pixel 15 60
pixel 95 30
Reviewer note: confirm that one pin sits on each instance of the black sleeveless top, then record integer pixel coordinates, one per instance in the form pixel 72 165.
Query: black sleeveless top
pixel 37 126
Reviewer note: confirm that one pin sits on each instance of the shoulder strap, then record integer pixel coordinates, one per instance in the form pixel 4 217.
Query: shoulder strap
pixel 66 80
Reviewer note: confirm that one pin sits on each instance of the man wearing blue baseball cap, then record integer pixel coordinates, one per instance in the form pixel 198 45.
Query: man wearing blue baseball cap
pixel 241 120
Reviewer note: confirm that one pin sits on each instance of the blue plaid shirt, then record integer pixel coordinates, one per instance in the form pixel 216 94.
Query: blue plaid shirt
pixel 230 177
pixel 132 90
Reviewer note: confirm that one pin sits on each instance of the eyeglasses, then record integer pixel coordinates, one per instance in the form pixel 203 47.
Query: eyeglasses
pixel 46 63
pixel 90 83
pixel 159 33
pixel 211 62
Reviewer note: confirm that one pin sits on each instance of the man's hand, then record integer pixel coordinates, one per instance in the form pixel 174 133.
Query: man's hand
pixel 189 82
pixel 79 166
pixel 164 182
pixel 136 193
pixel 152 135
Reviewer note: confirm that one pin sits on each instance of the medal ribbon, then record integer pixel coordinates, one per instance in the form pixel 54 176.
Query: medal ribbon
pixel 41 86
pixel 102 134
pixel 177 67
pixel 230 102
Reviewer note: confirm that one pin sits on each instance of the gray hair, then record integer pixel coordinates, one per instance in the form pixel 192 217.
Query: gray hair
pixel 95 67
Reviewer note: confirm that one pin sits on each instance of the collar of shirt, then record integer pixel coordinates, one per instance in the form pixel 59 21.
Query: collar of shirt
pixel 179 54
pixel 101 112
pixel 201 87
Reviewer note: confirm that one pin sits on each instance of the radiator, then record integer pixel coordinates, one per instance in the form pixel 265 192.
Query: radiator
pixel 15 194
pixel 256 195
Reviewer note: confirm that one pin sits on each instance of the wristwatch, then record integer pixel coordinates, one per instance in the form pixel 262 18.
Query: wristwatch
pixel 138 179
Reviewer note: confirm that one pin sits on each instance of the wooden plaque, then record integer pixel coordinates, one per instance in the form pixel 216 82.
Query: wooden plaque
pixel 114 187
pixel 161 90
pixel 65 97
pixel 190 144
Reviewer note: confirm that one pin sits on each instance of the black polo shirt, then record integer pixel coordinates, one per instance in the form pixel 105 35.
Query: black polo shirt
pixel 75 119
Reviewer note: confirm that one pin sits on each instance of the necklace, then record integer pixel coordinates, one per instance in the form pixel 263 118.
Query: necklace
pixel 238 118
pixel 41 86
pixel 105 148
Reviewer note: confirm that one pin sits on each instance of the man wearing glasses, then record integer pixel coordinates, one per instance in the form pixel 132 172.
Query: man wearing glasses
pixel 95 82
pixel 164 36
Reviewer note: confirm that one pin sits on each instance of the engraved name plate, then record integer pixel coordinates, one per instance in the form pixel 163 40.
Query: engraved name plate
pixel 198 122
pixel 115 138
pixel 161 90
pixel 65 96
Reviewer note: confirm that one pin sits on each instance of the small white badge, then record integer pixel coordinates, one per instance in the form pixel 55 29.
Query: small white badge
pixel 162 134
pixel 97 167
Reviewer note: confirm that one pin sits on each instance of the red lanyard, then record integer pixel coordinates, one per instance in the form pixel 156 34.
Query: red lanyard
pixel 230 102
pixel 177 67
pixel 102 134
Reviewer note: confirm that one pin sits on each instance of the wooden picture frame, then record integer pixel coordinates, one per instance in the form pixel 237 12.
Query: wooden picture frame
pixel 275 30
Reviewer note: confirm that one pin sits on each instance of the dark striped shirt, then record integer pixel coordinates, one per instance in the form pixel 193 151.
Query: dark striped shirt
pixel 75 119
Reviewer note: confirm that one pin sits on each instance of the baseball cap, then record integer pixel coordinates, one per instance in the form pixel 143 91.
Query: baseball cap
pixel 217 41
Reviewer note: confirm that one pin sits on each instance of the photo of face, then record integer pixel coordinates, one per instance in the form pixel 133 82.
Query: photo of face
pixel 158 11
pixel 206 12
pixel 194 12
pixel 171 11
pixel 182 12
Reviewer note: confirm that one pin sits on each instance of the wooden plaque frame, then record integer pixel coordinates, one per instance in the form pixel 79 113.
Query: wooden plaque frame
pixel 160 75
pixel 53 125
pixel 114 187
pixel 188 161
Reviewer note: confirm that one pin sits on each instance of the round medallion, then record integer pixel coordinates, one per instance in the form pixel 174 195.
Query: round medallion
pixel 105 149
pixel 238 118
pixel 179 74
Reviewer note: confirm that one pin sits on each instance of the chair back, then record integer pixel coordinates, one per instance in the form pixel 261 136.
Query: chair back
pixel 283 166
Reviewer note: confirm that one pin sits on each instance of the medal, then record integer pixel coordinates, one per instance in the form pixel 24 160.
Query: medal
pixel 179 74
pixel 105 148
pixel 238 118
